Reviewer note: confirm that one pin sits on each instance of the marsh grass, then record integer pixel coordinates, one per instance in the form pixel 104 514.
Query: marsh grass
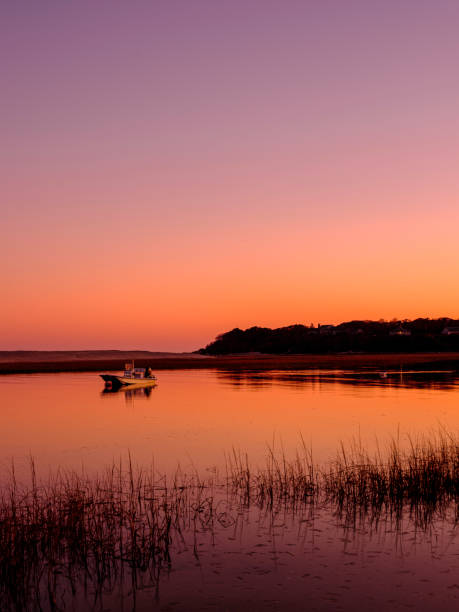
pixel 281 481
pixel 79 527
pixel 421 479
pixel 127 523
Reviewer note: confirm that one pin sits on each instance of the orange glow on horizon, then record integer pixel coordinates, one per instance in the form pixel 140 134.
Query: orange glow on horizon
pixel 159 190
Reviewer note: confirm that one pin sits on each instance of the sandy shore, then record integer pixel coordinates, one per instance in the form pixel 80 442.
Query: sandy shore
pixel 18 362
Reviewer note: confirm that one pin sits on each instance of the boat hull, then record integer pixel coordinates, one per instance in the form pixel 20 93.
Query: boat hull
pixel 122 381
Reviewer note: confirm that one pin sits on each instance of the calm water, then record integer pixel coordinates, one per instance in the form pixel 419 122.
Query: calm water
pixel 195 417
pixel 249 558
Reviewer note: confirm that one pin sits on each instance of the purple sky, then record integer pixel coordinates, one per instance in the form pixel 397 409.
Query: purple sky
pixel 241 151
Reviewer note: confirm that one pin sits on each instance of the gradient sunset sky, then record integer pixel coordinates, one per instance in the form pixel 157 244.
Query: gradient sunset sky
pixel 171 170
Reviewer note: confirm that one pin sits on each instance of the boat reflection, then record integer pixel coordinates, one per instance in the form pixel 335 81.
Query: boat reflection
pixel 130 392
pixel 411 379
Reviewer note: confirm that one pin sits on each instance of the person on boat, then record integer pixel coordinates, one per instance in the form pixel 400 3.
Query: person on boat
pixel 149 372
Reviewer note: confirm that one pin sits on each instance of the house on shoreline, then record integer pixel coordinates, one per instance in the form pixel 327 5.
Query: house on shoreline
pixel 451 331
pixel 400 331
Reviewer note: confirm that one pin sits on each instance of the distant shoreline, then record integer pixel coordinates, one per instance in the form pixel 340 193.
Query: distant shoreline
pixel 29 362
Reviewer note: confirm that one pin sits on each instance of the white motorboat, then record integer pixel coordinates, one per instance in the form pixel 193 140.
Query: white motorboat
pixel 138 377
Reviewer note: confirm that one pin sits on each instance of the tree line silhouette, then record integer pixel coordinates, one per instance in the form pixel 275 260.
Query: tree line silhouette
pixel 418 335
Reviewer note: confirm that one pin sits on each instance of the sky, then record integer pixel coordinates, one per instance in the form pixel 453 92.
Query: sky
pixel 171 170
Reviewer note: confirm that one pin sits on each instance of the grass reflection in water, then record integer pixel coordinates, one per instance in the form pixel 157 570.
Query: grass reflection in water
pixel 76 534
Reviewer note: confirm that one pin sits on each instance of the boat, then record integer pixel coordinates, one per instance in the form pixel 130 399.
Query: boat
pixel 132 377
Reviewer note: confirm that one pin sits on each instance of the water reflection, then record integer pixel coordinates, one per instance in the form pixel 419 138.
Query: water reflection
pixel 224 553
pixel 195 417
pixel 412 379
pixel 206 548
pixel 129 392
